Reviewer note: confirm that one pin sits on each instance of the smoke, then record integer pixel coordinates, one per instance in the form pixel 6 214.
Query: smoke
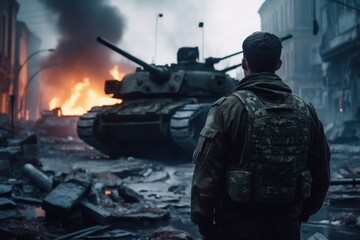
pixel 80 56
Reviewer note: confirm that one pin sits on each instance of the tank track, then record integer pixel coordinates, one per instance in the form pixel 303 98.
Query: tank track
pixel 86 129
pixel 186 124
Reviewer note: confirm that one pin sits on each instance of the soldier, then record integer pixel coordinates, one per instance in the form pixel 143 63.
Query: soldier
pixel 262 160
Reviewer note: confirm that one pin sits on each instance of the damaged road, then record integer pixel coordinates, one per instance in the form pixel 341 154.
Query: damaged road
pixel 71 191
pixel 82 194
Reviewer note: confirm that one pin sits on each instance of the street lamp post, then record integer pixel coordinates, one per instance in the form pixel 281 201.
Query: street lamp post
pixel 23 97
pixel 201 25
pixel 17 75
pixel 160 15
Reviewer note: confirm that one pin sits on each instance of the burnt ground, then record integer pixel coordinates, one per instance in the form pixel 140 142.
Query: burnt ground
pixel 142 199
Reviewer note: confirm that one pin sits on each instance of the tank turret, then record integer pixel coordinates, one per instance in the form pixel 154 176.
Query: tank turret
pixel 186 78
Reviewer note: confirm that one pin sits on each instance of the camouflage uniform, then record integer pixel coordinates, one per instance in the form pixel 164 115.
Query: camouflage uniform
pixel 222 142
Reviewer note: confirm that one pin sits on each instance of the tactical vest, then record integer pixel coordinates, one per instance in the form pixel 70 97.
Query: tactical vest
pixel 275 152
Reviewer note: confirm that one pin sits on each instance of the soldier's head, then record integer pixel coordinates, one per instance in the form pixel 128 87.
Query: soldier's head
pixel 262 52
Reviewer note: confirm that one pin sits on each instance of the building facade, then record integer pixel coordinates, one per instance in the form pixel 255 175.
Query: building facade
pixel 302 65
pixel 340 51
pixel 8 13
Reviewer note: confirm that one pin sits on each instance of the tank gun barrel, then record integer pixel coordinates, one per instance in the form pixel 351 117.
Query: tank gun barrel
pixel 158 72
pixel 212 60
pixel 286 37
pixel 238 65
pixel 230 68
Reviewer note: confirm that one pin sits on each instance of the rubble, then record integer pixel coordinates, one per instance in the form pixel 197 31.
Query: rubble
pixel 62 199
pixel 136 198
pixel 5 189
pixel 53 123
pixel 95 213
pixel 15 152
pixel 347 132
pixel 27 229
pixel 38 177
pixel 83 233
pixel 169 233
pixel 6 203
pixel 317 236
pixel 114 234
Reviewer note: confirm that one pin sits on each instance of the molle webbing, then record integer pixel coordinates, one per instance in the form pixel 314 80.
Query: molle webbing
pixel 276 146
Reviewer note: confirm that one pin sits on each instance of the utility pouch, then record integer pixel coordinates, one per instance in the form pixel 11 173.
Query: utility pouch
pixel 269 190
pixel 239 185
pixel 305 184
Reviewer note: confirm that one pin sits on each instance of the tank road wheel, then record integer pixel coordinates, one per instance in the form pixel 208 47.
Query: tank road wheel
pixel 186 124
pixel 88 131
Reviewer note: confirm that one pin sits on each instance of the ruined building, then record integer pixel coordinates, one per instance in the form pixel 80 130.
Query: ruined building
pixel 8 12
pixel 302 65
pixel 340 51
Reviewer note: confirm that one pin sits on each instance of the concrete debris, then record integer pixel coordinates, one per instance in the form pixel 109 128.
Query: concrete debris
pixel 53 123
pixel 357 223
pixel 155 190
pixel 157 176
pixel 5 189
pixel 129 195
pixel 62 199
pixel 113 234
pixel 24 229
pixel 7 214
pixel 26 200
pixel 4 165
pixel 317 236
pixel 6 203
pixel 15 152
pixel 348 219
pixel 139 215
pixel 82 233
pixel 347 132
pixel 107 178
pixel 170 233
pixel 95 213
pixel 38 177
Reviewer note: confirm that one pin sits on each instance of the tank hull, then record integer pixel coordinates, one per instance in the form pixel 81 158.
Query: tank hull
pixel 147 128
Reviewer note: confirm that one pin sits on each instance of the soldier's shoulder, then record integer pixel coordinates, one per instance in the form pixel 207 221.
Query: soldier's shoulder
pixel 227 100
pixel 219 101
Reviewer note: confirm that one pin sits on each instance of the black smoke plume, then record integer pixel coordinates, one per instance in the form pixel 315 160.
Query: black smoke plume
pixel 79 23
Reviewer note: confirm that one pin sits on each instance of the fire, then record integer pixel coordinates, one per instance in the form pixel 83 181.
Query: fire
pixel 115 73
pixel 75 105
pixel 107 192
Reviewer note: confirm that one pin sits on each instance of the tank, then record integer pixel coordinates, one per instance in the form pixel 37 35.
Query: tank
pixel 163 108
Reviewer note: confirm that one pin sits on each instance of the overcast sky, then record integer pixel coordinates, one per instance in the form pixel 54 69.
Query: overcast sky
pixel 226 24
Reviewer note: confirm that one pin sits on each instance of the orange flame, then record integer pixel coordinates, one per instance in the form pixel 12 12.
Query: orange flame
pixel 107 192
pixel 94 97
pixel 115 73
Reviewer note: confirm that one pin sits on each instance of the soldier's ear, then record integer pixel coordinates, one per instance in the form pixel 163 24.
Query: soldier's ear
pixel 244 64
pixel 279 64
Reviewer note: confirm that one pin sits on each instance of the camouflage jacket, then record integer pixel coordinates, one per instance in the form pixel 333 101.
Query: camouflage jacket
pixel 221 142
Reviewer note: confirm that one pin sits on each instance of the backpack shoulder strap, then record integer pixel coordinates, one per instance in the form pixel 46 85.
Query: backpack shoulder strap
pixel 252 103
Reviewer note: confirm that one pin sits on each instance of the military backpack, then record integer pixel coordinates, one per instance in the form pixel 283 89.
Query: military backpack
pixel 275 152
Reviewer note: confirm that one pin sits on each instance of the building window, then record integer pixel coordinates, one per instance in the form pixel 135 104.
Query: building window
pixel 315 56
